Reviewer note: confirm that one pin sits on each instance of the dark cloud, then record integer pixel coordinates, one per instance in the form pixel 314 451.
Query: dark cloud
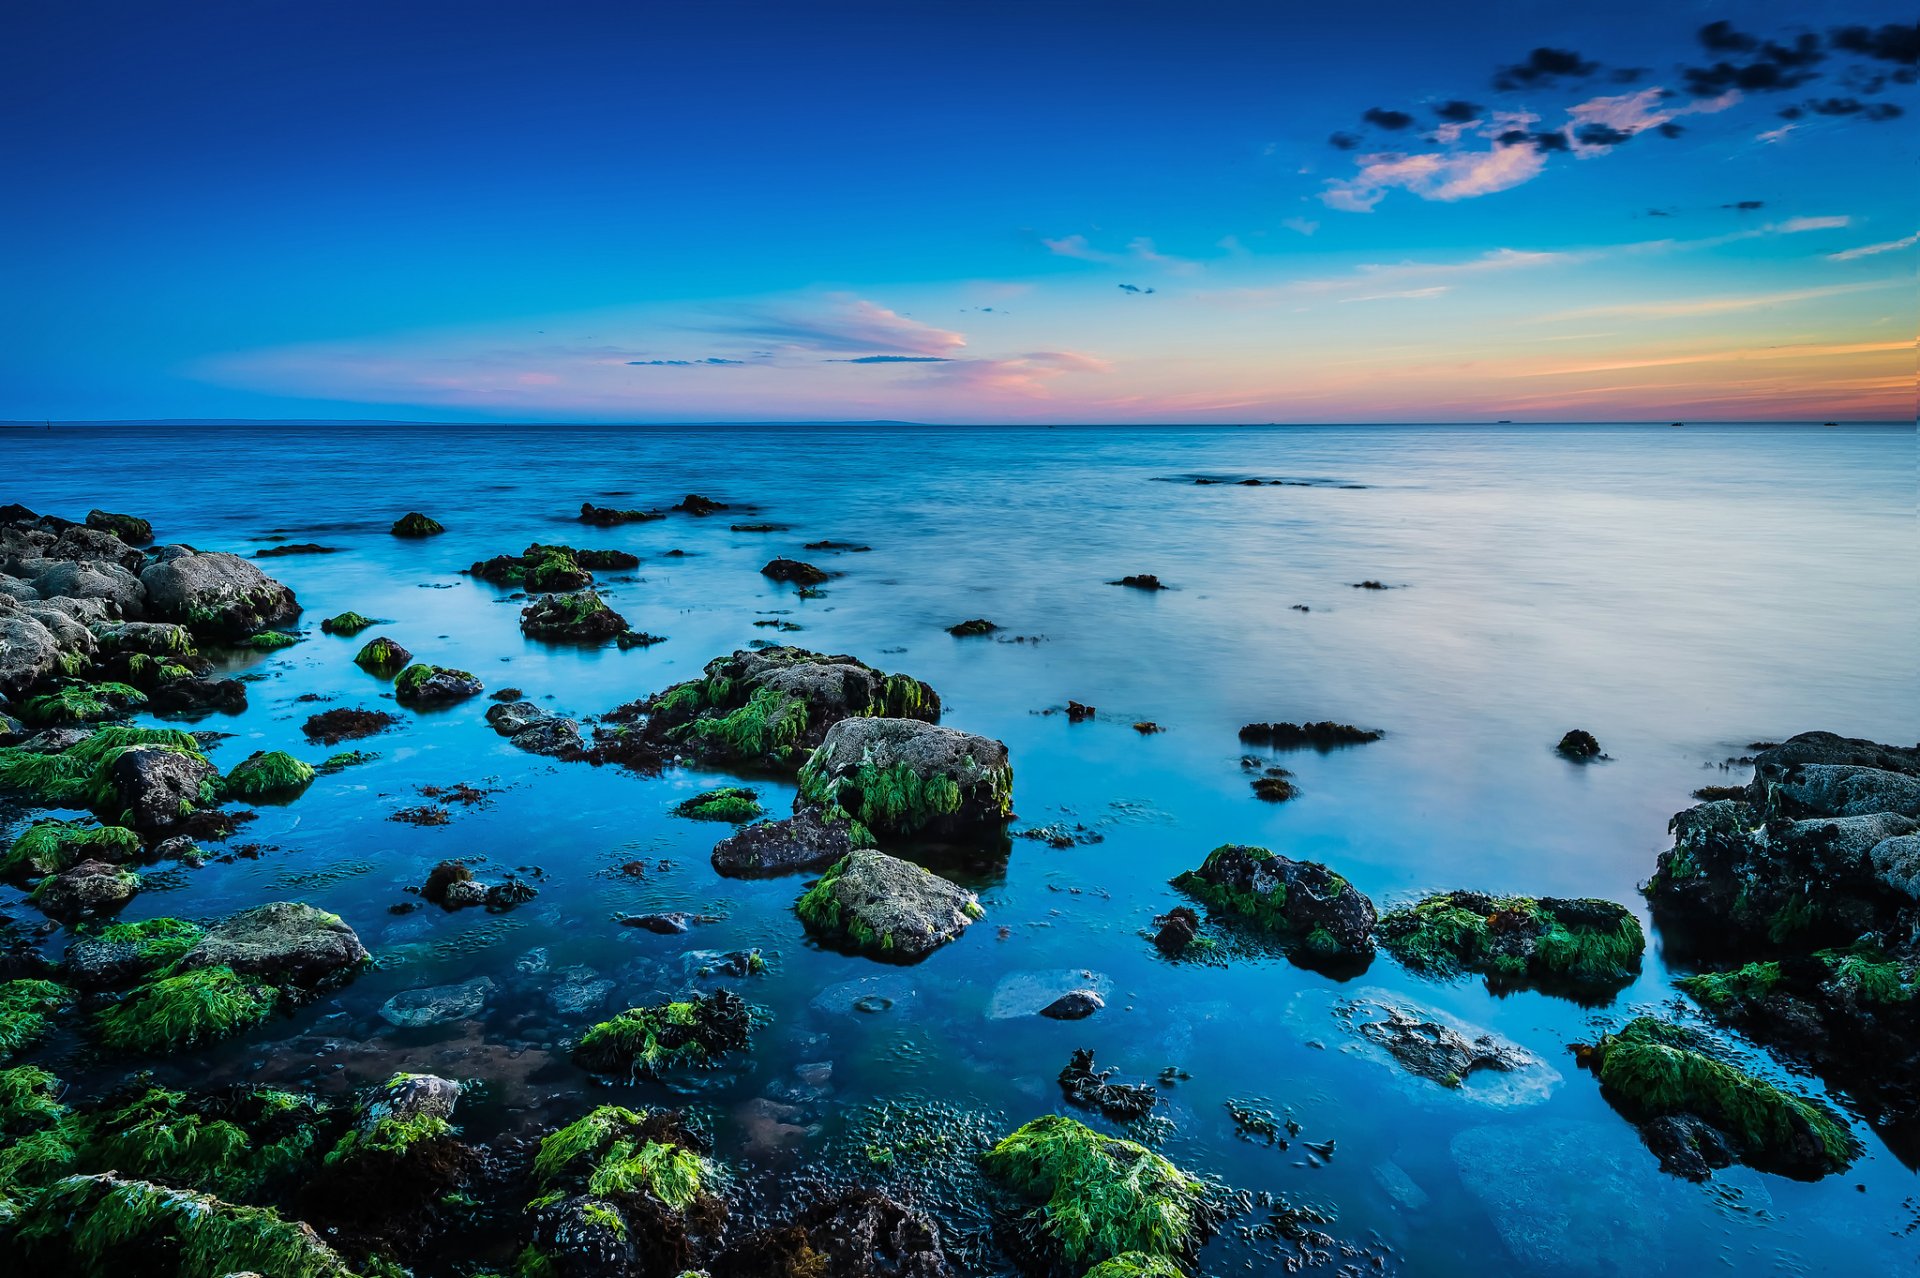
pixel 1544 66
pixel 1779 66
pixel 1670 130
pixel 1659 213
pixel 1601 135
pixel 1875 111
pixel 1457 111
pixel 1792 112
pixel 1626 75
pixel 1891 43
pixel 681 363
pixel 1746 206
pixel 1383 118
pixel 891 359
pixel 1135 288
pixel 1720 37
pixel 1343 141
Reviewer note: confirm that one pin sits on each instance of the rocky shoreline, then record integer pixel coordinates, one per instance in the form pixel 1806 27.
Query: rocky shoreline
pixel 1798 900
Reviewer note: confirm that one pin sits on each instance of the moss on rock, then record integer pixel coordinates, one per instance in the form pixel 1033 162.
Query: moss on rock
pixel 646 1042
pixel 728 803
pixel 269 774
pixel 26 1013
pixel 382 656
pixel 172 1013
pixel 1517 938
pixel 83 703
pixel 1301 903
pixel 346 623
pixel 415 524
pixel 48 847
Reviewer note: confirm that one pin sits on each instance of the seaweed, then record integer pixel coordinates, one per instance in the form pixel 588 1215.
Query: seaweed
pixel 415 524
pixel 770 723
pixel 382 656
pixel 171 1013
pixel 48 847
pixel 645 1042
pixel 83 703
pixel 728 803
pixel 26 1010
pixel 617 1151
pixel 346 623
pixel 269 774
pixel 1579 941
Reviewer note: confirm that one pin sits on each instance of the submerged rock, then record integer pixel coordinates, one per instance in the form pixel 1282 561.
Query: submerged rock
pixel 795 571
pixel 1301 902
pixel 1074 1005
pixel 902 777
pixel 438 1004
pixel 647 1042
pixel 770 707
pixel 1426 1046
pixel 886 908
pixel 1122 1102
pixel 285 942
pixel 801 842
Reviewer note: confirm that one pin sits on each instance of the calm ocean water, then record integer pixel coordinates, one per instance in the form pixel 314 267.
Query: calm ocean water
pixel 1678 592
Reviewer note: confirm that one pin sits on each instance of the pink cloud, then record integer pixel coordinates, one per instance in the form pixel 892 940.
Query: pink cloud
pixel 1458 175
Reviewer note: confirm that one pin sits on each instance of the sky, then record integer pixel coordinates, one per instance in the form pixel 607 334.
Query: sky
pixel 932 211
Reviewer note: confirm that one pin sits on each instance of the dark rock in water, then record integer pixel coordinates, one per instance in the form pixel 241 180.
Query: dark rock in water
pixel 844 547
pixel 441 880
pixel 294 548
pixel 886 908
pixel 664 923
pixel 860 1233
pixel 424 685
pixel 575 618
pixel 1324 735
pixel 1580 744
pixel 1776 761
pixel 695 504
pixel 1653 1069
pixel 1518 939
pixel 539 568
pixel 770 707
pixel 798 572
pixel 88 890
pixel 1176 930
pixel 502 897
pixel 801 842
pixel 756 528
pixel 131 529
pixel 1078 713
pixel 330 727
pixel 1425 1046
pixel 1140 581
pixel 902 777
pixel 1074 1005
pixel 216 595
pixel 514 716
pixel 286 942
pixel 1687 1146
pixel 1302 902
pixel 156 787
pixel 438 1004
pixel 1060 835
pixel 1276 787
pixel 1122 1102
pixel 553 736
pixel 607 517
pixel 415 524
pixel 967 629
pixel 637 639
pixel 1370 584
pixel 190 696
pixel 647 1042
pixel 382 656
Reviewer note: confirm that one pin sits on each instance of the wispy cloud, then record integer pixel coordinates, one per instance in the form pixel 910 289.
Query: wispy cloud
pixel 1435 290
pixel 846 323
pixel 1871 250
pixel 682 363
pixel 1139 251
pixel 1721 304
pixel 1797 225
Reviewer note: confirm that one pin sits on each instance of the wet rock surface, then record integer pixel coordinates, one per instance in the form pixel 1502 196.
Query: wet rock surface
pixel 886 908
pixel 1300 902
pixel 901 777
pixel 804 841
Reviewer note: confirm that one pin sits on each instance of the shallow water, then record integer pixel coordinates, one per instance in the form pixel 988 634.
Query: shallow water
pixel 1678 592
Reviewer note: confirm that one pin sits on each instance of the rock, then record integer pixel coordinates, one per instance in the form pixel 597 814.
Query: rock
pixel 1560 1200
pixel 131 529
pixel 191 696
pixel 647 1042
pixel 1301 902
pixel 552 736
pixel 968 629
pixel 157 787
pixel 581 989
pixel 217 595
pixel 429 685
pixel 885 907
pixel 285 942
pixel 607 517
pixel 90 889
pixel 502 897
pixel 28 652
pixel 1122 1102
pixel 796 571
pixel 119 957
pixel 695 504
pixel 1140 581
pixel 1177 929
pixel 662 923
pixel 154 638
pixel 1579 744
pixel 1687 1146
pixel 331 727
pixel 540 569
pixel 415 524
pixel 770 707
pixel 1022 994
pixel 1896 863
pixel 902 777
pixel 407 1098
pixel 1323 736
pixel 115 586
pixel 576 618
pixel 382 656
pixel 442 878
pixel 437 1004
pixel 514 716
pixel 1775 763
pixel 1514 939
pixel 859 1233
pixel 1841 790
pixel 1424 1044
pixel 1074 1005
pixel 765 848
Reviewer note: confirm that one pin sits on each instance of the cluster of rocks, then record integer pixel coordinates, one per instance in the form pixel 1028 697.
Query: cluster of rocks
pixel 537 731
pixel 451 886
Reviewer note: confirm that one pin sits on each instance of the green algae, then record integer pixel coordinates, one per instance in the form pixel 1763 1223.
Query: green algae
pixel 48 847
pixel 80 776
pixel 728 803
pixel 406 688
pixel 172 1013
pixel 1868 974
pixel 1135 1264
pixel 269 774
pixel 100 1226
pixel 646 1042
pixel 346 623
pixel 1586 942
pixel 390 1137
pixel 1654 1068
pixel 343 760
pixel 83 703
pixel 1095 1197
pixel 415 524
pixel 258 1135
pixel 157 942
pixel 26 1013
pixel 1718 991
pixel 770 724
pixel 617 1151
pixel 1266 909
pixel 381 656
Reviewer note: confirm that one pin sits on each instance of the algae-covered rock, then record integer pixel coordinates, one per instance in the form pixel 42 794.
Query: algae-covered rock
pixel 27 1007
pixel 858 1233
pixel 216 595
pixel 382 656
pixel 728 803
pixel 795 571
pixel 268 774
pixel 48 847
pixel 285 942
pixel 770 707
pixel 85 890
pixel 647 1042
pixel 623 1192
pixel 803 841
pixel 886 908
pixel 415 524
pixel 1078 1198
pixel 131 529
pixel 571 618
pixel 1549 940
pixel 120 955
pixel 902 778
pixel 185 1009
pixel 429 685
pixel 1654 1069
pixel 1301 902
pixel 347 623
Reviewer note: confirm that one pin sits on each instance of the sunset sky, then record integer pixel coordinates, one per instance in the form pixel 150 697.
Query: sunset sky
pixel 958 212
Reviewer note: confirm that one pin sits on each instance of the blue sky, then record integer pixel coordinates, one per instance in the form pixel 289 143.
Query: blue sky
pixel 940 211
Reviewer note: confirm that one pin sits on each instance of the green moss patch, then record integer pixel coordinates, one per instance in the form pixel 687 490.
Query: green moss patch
pixel 1546 940
pixel 728 803
pixel 1720 991
pixel 614 1152
pixel 647 1042
pixel 771 723
pixel 269 774
pixel 382 656
pixel 173 1013
pixel 83 703
pixel 1136 1264
pixel 1091 1198
pixel 1653 1068
pixel 346 623
pixel 26 1013
pixel 270 641
pixel 48 847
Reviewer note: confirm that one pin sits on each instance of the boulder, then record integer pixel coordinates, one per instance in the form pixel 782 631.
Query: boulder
pixel 575 618
pixel 438 1004
pixel 156 787
pixel 1842 790
pixel 29 652
pixel 91 889
pixel 429 685
pixel 553 736
pixel 886 908
pixel 131 529
pixel 108 582
pixel 858 1233
pixel 1303 903
pixel 901 778
pixel 513 716
pixel 217 595
pixel 285 942
pixel 801 842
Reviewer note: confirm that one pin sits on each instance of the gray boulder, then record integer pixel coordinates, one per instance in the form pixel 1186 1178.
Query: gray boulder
pixel 157 786
pixel 28 651
pixel 216 594
pixel 902 777
pixel 107 582
pixel 286 942
pixel 801 842
pixel 91 889
pixel 512 716
pixel 886 908
pixel 1844 790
